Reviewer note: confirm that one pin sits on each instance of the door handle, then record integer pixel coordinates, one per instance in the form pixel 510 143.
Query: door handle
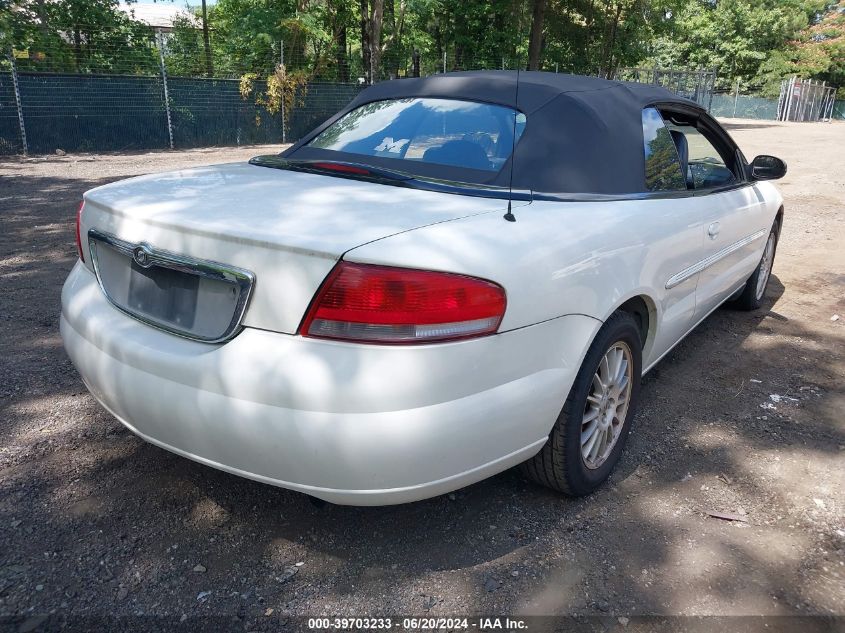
pixel 713 230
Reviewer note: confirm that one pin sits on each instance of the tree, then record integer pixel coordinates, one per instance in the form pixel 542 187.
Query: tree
pixel 817 51
pixel 247 35
pixel 535 45
pixel 598 36
pixel 376 17
pixel 483 34
pixel 372 12
pixel 209 68
pixel 366 49
pixel 735 37
pixel 395 54
pixel 78 35
pixel 340 16
pixel 758 41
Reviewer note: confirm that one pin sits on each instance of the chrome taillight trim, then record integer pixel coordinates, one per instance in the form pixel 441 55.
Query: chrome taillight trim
pixel 146 256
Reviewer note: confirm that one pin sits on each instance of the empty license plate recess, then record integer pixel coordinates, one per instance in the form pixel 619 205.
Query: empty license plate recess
pixel 164 294
pixel 194 298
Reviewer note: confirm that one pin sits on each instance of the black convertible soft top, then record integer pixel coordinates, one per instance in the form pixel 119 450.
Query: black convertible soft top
pixel 583 134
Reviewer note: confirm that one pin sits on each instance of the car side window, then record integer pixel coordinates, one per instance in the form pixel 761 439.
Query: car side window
pixel 663 171
pixel 705 166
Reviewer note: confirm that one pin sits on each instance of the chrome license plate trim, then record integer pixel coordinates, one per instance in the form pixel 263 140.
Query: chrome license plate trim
pixel 146 256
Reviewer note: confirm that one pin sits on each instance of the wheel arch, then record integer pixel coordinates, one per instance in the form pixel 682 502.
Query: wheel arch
pixel 779 219
pixel 644 310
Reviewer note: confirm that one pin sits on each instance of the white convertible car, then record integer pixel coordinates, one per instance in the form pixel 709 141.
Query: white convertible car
pixel 452 276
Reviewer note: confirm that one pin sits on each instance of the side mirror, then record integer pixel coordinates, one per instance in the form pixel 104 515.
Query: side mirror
pixel 765 167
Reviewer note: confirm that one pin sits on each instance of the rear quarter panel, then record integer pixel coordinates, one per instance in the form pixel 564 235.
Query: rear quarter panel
pixel 562 258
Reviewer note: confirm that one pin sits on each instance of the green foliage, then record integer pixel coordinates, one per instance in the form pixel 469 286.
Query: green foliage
pixel 597 37
pixel 246 34
pixel 185 52
pixel 283 90
pixel 757 42
pixel 77 36
pixel 817 52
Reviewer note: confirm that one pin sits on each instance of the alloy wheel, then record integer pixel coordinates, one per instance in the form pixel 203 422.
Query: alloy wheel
pixel 607 405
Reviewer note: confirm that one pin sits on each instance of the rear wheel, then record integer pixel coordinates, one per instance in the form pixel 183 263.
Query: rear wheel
pixel 752 295
pixel 591 430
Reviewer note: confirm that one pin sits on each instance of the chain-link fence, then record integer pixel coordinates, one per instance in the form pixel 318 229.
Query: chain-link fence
pixel 740 105
pixel 10 129
pixel 744 106
pixel 156 95
pixel 696 85
pixel 145 88
pixel 135 86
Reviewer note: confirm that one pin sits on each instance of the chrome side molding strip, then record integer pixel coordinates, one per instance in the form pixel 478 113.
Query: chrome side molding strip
pixel 705 263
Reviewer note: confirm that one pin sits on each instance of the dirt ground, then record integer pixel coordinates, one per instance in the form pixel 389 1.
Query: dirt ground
pixel 745 417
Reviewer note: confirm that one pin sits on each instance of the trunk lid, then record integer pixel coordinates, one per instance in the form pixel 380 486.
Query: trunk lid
pixel 286 228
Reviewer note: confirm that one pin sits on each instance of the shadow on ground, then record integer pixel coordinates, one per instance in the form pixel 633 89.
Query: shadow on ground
pixel 106 523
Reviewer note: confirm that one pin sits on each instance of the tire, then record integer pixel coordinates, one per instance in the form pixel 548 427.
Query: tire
pixel 752 295
pixel 560 464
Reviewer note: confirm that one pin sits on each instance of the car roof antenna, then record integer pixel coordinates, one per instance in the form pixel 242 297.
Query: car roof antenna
pixel 509 216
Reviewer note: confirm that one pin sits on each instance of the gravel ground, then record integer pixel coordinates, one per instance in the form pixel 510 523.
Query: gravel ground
pixel 745 417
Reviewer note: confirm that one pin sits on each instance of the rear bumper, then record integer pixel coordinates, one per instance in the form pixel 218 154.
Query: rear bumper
pixel 351 424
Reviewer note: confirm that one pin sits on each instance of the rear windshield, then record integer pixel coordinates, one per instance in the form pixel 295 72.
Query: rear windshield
pixel 449 132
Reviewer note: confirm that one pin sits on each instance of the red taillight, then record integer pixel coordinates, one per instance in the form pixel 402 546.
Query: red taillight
pixel 380 304
pixel 79 230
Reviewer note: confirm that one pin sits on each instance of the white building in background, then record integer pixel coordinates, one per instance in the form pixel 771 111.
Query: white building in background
pixel 160 15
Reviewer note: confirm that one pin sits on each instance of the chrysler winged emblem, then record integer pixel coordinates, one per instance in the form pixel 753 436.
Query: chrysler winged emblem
pixel 142 254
